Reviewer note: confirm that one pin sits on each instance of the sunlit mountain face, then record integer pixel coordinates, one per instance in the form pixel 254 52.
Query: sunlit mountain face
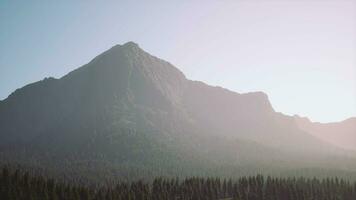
pixel 342 134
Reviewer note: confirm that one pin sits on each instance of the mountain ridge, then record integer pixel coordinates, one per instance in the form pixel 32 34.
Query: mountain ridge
pixel 342 134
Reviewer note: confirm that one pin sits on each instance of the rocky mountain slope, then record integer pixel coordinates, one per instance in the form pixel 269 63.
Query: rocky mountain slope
pixel 127 110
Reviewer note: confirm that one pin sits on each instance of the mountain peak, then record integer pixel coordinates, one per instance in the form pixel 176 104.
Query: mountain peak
pixel 126 47
pixel 131 44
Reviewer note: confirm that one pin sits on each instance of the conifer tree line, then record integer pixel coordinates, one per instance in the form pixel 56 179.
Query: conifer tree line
pixel 19 185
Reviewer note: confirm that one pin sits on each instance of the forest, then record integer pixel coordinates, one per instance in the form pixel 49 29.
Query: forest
pixel 18 184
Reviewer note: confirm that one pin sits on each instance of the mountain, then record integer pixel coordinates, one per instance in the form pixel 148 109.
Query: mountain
pixel 342 134
pixel 127 113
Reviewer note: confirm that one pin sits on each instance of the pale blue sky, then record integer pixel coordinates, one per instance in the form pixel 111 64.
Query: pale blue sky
pixel 301 53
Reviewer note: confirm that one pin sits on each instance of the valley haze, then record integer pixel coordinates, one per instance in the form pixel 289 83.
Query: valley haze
pixel 178 100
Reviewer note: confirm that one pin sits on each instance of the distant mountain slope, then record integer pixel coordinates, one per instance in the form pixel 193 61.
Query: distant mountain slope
pixel 342 134
pixel 128 110
pixel 248 116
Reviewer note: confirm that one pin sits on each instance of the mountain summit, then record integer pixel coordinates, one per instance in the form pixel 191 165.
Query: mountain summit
pixel 128 110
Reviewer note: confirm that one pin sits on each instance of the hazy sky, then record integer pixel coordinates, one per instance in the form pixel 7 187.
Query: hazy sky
pixel 301 53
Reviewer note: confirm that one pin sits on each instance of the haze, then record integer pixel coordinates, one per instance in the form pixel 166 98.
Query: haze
pixel 302 54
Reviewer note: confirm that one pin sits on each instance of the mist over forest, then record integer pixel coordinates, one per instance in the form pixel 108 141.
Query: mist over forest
pixel 250 109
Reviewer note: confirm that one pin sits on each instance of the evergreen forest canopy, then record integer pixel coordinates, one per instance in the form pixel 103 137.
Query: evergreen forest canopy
pixel 19 185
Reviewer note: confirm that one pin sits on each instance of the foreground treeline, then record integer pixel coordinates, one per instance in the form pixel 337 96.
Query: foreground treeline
pixel 17 185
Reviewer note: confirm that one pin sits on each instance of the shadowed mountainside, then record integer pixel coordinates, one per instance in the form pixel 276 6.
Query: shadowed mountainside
pixel 128 110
